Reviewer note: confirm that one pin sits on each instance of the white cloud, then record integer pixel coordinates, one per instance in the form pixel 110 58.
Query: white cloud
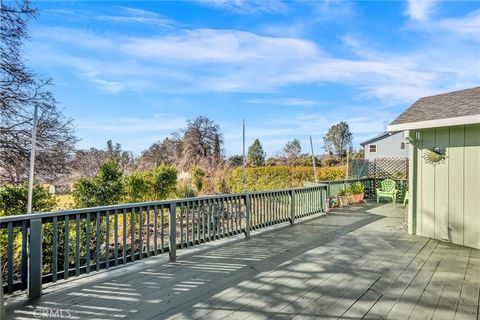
pixel 420 9
pixel 212 60
pixel 248 7
pixel 283 102
pixel 138 16
pixel 468 26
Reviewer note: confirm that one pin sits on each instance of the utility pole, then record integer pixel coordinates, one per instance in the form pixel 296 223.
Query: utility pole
pixel 313 160
pixel 32 161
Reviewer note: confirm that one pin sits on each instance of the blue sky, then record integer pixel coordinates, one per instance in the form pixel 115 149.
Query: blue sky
pixel 135 71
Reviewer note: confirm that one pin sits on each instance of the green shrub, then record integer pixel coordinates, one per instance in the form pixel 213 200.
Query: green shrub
pixel 105 188
pixel 278 177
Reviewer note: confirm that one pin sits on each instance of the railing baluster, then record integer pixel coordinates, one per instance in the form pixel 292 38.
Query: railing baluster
pixel 203 221
pixel 147 224
pixel 193 222
pixel 87 242
pixel 124 240
pixel 187 222
pixel 140 232
pixel 132 234
pixel 77 244
pixel 66 249
pixel 107 238
pixel 209 220
pixel 162 231
pixel 97 241
pixel 24 256
pixel 10 258
pixel 115 237
pixel 182 244
pixel 55 249
pixel 199 234
pixel 155 230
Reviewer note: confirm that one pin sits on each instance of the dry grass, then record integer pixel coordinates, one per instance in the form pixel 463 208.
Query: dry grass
pixel 64 201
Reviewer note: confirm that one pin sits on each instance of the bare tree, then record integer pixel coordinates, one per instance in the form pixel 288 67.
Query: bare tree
pixel 158 153
pixel 201 143
pixel 20 91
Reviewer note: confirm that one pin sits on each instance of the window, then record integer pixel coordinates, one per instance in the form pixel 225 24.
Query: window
pixel 372 148
pixel 402 145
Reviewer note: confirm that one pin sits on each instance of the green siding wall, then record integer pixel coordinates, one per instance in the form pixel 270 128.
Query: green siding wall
pixel 446 196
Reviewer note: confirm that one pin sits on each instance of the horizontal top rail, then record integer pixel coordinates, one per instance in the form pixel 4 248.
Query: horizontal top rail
pixel 42 215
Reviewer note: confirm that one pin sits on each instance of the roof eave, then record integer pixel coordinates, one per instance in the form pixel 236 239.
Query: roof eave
pixel 445 122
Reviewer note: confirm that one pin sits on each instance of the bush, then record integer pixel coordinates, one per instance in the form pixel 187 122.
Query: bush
pixel 163 181
pixel 278 177
pixel 136 187
pixel 105 188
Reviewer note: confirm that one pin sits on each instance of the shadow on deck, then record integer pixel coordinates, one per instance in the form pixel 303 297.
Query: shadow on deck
pixel 357 262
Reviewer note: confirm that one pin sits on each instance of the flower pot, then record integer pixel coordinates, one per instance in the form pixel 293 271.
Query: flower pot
pixel 359 197
pixel 351 199
pixel 343 200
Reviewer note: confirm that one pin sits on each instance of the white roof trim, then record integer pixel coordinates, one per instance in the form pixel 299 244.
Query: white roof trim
pixel 446 122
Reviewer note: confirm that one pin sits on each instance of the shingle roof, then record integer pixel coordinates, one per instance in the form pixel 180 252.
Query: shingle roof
pixel 442 106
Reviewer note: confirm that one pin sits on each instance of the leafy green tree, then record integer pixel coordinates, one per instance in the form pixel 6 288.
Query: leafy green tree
pixel 256 155
pixel 338 139
pixel 163 180
pixel 13 200
pixel 235 160
pixel 136 187
pixel 292 151
pixel 105 188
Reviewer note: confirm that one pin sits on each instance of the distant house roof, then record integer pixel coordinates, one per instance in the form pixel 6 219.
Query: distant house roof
pixel 447 109
pixel 376 138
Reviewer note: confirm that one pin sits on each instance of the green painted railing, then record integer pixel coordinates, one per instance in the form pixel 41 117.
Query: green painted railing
pixel 70 243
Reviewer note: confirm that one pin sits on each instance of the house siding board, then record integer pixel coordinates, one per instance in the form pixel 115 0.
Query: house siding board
pixel 428 186
pixel 447 194
pixel 456 183
pixel 472 186
pixel 441 186
pixel 387 147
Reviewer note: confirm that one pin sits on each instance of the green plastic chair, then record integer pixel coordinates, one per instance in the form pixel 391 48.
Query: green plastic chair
pixel 405 200
pixel 388 189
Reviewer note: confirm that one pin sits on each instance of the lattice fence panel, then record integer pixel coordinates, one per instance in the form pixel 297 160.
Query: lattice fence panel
pixel 388 168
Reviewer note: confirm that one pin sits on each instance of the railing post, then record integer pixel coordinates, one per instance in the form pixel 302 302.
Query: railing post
pixel 172 225
pixel 248 215
pixel 35 259
pixel 292 207
pixel 324 200
pixel 2 306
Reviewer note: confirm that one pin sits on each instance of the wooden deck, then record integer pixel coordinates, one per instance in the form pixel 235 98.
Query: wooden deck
pixel 355 263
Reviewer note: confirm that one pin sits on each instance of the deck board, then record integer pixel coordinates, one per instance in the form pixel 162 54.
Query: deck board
pixel 356 263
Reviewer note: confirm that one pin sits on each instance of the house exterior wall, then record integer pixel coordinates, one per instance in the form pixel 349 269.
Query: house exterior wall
pixel 445 197
pixel 388 147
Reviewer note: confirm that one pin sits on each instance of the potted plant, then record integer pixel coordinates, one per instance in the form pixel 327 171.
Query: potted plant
pixel 358 191
pixel 343 196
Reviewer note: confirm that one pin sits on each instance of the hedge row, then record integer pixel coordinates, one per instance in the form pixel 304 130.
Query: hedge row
pixel 266 178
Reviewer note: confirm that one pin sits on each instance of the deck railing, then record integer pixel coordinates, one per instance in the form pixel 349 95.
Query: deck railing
pixel 47 247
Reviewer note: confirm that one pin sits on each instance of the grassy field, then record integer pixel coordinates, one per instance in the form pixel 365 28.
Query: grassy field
pixel 64 201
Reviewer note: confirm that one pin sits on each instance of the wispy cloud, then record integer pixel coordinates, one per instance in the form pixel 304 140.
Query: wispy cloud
pixel 420 9
pixel 220 60
pixel 468 26
pixel 138 16
pixel 283 102
pixel 248 7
